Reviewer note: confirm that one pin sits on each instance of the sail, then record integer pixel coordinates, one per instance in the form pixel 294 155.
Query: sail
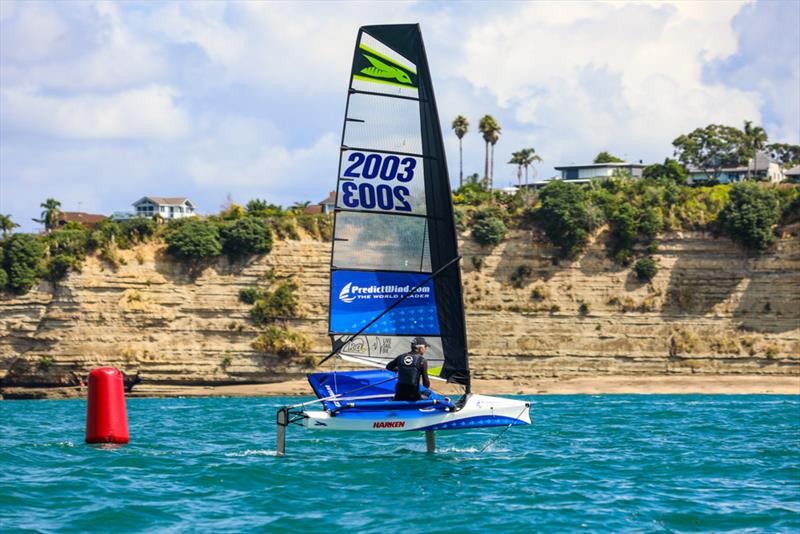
pixel 394 223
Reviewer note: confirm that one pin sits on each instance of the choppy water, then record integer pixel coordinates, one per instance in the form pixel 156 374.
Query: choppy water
pixel 596 463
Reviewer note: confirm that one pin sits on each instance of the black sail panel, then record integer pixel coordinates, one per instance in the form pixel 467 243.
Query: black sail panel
pixel 394 214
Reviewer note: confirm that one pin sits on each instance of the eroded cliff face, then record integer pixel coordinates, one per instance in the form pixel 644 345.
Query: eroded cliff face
pixel 711 309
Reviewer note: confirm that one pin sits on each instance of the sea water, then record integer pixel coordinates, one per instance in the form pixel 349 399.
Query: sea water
pixel 589 463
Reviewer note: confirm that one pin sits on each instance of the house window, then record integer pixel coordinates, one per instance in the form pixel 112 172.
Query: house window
pixel 571 174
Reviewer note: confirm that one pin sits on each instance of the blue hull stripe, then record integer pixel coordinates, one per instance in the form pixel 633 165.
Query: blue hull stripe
pixel 480 421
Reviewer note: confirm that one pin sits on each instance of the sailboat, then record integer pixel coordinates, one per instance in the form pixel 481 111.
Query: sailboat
pixel 394 266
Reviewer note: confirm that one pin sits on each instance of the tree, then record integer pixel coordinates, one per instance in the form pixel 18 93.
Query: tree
pixel 299 207
pixel 6 224
pixel 605 157
pixel 194 239
pixel 754 139
pixel 247 236
pixel 49 216
pixel 460 127
pixel 487 228
pixel 23 253
pixel 710 148
pixel 669 170
pixel 494 138
pixel 566 216
pixel 516 159
pixel 749 215
pixel 490 131
pixel 529 156
pixel 788 155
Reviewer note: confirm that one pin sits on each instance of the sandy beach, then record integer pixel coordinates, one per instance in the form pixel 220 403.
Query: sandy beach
pixel 707 384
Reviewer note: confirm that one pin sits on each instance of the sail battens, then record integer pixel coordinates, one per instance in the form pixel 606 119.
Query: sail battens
pixel 404 97
pixel 393 213
pixel 396 152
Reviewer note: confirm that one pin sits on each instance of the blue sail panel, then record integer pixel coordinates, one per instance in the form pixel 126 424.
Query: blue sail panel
pixel 357 297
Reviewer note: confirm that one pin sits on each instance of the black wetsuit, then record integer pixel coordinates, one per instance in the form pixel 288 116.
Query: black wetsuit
pixel 410 367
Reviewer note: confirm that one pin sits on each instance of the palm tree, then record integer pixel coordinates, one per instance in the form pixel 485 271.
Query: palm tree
pixel 528 156
pixel 6 224
pixel 495 138
pixel 300 207
pixel 754 139
pixel 516 159
pixel 49 216
pixel 460 127
pixel 491 132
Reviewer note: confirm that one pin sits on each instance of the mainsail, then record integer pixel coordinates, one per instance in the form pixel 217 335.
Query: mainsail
pixel 394 215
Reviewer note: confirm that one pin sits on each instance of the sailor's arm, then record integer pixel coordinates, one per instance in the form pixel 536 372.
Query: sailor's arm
pixel 425 380
pixel 392 365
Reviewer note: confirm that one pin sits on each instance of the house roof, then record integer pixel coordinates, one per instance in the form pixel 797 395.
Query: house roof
pixel 164 201
pixel 330 199
pixel 623 165
pixel 794 171
pixel 81 217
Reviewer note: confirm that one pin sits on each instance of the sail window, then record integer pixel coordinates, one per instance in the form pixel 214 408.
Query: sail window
pixel 383 123
pixel 382 242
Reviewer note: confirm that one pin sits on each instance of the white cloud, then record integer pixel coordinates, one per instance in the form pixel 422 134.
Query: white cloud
pixel 602 76
pixel 76 46
pixel 148 113
pixel 248 155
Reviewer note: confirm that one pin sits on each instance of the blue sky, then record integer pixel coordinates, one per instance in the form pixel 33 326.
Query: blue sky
pixel 102 103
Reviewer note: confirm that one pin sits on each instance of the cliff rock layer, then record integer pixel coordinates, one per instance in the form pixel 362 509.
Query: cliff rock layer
pixel 711 309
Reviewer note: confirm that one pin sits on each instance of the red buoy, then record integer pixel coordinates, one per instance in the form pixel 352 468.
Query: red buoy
pixel 106 417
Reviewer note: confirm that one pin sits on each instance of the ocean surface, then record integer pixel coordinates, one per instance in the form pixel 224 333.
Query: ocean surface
pixel 588 463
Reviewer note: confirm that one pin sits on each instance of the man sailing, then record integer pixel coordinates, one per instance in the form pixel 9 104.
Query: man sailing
pixel 410 367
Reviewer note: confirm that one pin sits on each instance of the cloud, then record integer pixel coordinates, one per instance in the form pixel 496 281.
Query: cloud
pixel 76 46
pixel 250 156
pixel 597 76
pixel 146 113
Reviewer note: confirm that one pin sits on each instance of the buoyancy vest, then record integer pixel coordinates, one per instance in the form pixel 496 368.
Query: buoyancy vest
pixel 409 369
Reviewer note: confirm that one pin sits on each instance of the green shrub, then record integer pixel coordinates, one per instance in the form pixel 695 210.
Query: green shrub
pixel 624 227
pixel 193 239
pixel 23 254
pixel 70 242
pixel 646 269
pixel 670 170
pixel 3 278
pixel 489 231
pixel 269 306
pixel 247 236
pixel 520 275
pixel 249 295
pixel 281 341
pixel 749 216
pixel 651 223
pixel 136 230
pixel 58 266
pixel 566 216
pixel 285 227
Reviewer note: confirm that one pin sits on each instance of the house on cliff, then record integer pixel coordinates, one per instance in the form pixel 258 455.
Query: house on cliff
pixel 87 220
pixel 166 207
pixel 762 168
pixel 324 206
pixel 585 173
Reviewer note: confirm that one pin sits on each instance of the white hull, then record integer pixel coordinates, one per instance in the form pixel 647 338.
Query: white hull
pixel 479 411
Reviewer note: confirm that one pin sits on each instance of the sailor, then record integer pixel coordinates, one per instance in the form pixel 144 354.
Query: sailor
pixel 410 367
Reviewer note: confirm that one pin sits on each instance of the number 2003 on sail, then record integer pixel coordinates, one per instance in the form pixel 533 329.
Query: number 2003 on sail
pixel 375 181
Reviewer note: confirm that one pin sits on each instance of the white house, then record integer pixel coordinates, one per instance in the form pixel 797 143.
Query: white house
pixel 166 207
pixel 762 167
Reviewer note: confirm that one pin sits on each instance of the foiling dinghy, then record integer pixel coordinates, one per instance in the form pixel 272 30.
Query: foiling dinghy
pixel 394 266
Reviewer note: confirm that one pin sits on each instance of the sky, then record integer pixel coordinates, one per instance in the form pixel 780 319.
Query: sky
pixel 103 103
